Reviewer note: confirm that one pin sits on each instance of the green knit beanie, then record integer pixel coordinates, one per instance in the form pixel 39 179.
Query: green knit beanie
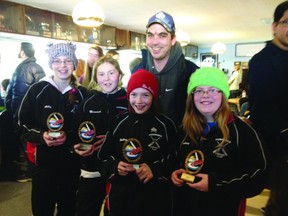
pixel 209 76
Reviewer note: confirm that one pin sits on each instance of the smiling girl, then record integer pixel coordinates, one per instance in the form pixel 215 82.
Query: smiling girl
pixel 222 159
pixel 45 115
pixel 106 104
pixel 139 153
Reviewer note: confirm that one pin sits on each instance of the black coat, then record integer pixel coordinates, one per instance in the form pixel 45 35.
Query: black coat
pixel 27 73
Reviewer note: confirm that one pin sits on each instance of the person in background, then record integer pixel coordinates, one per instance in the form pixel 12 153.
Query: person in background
pixel 164 58
pixel 267 74
pixel 94 53
pixel 114 54
pixel 7 149
pixel 106 104
pixel 4 85
pixel 268 70
pixel 80 68
pixel 139 153
pixel 135 62
pixel 45 116
pixel 222 159
pixel 235 80
pixel 26 74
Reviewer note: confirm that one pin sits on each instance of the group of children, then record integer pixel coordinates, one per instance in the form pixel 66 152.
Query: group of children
pixel 123 148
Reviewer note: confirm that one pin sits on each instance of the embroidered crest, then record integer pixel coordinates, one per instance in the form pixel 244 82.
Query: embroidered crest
pixel 220 151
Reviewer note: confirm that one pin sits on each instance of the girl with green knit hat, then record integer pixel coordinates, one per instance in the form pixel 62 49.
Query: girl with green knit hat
pixel 222 160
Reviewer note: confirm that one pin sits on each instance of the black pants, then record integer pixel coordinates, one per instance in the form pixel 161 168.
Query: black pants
pixel 134 198
pixel 90 196
pixel 51 187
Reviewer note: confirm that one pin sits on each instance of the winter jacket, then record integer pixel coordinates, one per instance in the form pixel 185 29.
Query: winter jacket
pixel 27 73
pixel 42 100
pixel 268 75
pixel 103 111
pixel 155 135
pixel 138 139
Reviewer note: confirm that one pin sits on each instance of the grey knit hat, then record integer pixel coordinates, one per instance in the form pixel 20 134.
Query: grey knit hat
pixel 62 49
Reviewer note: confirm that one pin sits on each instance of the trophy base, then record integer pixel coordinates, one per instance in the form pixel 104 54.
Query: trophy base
pixel 187 177
pixel 84 147
pixel 136 166
pixel 54 134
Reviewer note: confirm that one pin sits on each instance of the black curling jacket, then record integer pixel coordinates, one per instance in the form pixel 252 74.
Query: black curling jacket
pixel 235 171
pixel 42 99
pixel 156 136
pixel 103 110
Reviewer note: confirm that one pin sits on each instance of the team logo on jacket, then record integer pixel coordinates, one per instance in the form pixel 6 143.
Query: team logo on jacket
pixel 86 132
pixel 194 162
pixel 154 145
pixel 220 150
pixel 132 150
pixel 55 121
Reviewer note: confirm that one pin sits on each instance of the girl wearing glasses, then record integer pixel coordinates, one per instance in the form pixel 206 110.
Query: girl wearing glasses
pixel 222 160
pixel 46 115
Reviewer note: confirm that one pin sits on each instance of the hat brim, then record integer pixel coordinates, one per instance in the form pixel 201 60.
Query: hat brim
pixel 161 23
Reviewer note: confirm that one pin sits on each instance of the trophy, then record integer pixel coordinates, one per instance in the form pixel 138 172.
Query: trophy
pixel 132 151
pixel 193 164
pixel 87 134
pixel 55 123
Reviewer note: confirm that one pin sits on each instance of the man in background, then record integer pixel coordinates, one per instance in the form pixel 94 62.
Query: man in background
pixel 165 59
pixel 235 80
pixel 268 93
pixel 27 73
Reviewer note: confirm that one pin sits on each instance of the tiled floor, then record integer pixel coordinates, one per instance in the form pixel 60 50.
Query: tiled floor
pixel 15 200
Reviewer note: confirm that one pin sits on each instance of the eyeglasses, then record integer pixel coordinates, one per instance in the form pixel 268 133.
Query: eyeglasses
pixel 66 62
pixel 284 22
pixel 210 92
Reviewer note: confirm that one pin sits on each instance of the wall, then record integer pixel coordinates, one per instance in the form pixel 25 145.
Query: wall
pixel 225 60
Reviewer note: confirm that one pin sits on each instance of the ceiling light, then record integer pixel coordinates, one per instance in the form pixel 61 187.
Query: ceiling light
pixel 183 38
pixel 218 48
pixel 88 13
